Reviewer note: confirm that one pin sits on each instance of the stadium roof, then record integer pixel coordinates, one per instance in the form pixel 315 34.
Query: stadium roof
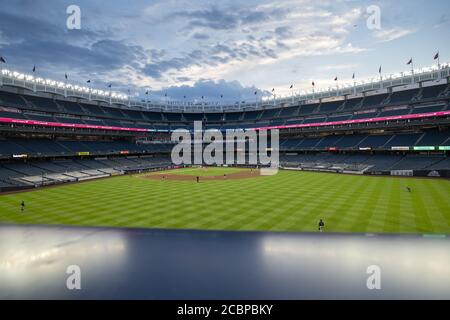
pixel 36 84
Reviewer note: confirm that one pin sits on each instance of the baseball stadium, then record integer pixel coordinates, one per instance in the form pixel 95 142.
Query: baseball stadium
pixel 260 197
pixel 364 159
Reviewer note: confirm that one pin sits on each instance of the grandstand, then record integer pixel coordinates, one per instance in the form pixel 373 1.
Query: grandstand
pixel 52 134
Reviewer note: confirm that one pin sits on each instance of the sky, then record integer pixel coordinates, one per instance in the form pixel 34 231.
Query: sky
pixel 195 48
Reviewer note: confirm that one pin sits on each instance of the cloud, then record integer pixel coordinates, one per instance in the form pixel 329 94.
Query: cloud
pixel 222 19
pixel 210 90
pixel 386 35
pixel 338 67
pixel 200 36
pixel 184 44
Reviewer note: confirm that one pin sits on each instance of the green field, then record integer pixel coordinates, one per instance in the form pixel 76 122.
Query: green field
pixel 288 201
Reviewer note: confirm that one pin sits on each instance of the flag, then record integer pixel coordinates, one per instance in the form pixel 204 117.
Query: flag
pixel 335 79
pixel 436 56
pixel 65 76
pixel 313 84
pixel 410 61
pixel 2 60
pixel 291 86
pixel 34 68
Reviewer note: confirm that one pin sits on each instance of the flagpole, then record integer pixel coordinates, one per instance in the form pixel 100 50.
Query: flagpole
pixel 34 79
pixel 65 85
pixel 292 93
pixel 337 87
pixel 90 90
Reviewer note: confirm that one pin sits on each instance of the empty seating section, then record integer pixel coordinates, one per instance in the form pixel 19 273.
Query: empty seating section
pixel 308 143
pixel 339 118
pixel 46 147
pixel 373 101
pixel 214 117
pixel 252 115
pixel 435 138
pixel 191 117
pixel 95 110
pixel 69 120
pixel 57 171
pixel 233 116
pixel 153 116
pixel 8 99
pixel 328 142
pixel 403 96
pixel 434 108
pixel 38 117
pixel 131 114
pixel 403 140
pixel 350 141
pixel 14 115
pixel 444 164
pixel 293 121
pixel 8 148
pixel 289 111
pixel 70 107
pixel 330 106
pixel 382 162
pixel 365 115
pixel 289 144
pixel 367 162
pixel 351 104
pixel 270 113
pixel 432 138
pixel 397 112
pixel 375 141
pixel 102 114
pixel 307 109
pixel 172 116
pixel 42 103
pixel 313 120
pixel 432 91
pixel 416 162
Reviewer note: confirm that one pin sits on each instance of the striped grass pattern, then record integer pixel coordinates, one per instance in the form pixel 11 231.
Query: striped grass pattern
pixel 288 201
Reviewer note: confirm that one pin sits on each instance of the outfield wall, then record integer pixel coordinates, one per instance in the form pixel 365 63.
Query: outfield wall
pixel 412 173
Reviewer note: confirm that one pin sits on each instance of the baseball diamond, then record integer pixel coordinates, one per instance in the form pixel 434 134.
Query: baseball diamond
pixel 288 201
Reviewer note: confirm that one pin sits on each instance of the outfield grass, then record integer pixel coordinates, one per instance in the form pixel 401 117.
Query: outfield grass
pixel 288 201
